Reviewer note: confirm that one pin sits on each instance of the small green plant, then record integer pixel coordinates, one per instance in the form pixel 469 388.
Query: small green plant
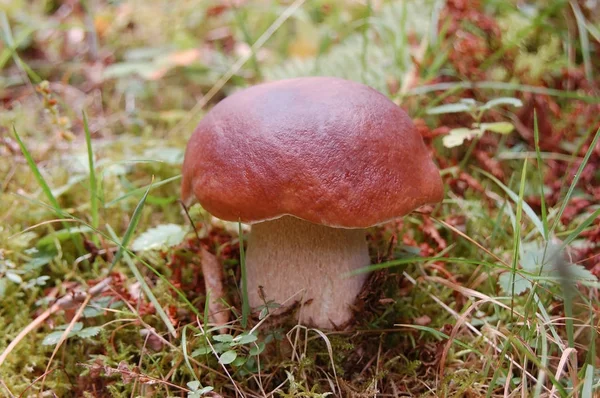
pixel 77 331
pixel 196 389
pixel 457 136
pixel 546 264
pixel 238 351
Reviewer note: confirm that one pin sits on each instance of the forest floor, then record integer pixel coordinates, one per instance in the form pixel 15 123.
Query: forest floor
pixel 492 293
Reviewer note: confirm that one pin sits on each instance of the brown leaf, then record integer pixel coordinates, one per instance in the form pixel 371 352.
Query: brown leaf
pixel 430 230
pixel 213 279
pixel 490 164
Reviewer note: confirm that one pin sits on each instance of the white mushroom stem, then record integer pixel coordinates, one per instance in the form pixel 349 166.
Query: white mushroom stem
pixel 291 257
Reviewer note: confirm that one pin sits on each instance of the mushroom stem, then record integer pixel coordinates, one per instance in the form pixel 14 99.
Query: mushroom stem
pixel 292 257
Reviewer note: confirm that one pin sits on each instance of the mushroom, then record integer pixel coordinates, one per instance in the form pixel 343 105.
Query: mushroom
pixel 310 163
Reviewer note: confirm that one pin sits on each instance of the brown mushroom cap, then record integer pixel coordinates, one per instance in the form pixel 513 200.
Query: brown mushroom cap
pixel 326 150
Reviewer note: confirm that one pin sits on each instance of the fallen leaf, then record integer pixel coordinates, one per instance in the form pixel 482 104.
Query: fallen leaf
pixel 213 280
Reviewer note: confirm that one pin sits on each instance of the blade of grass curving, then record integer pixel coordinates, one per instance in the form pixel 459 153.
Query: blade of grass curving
pixel 11 46
pixel 577 231
pixel 588 382
pixel 537 390
pixel 540 165
pixel 567 285
pixel 491 85
pixel 140 278
pixel 515 198
pixel 135 219
pixel 497 370
pixel 142 189
pixel 410 260
pixel 36 171
pixel 590 358
pixel 185 352
pixel 517 237
pixel 524 349
pixel 93 180
pixel 23 36
pixel 567 197
pixel 46 189
pixel 584 40
pixel 245 302
pixel 205 318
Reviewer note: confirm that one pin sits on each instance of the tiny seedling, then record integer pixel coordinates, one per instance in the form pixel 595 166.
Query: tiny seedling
pixel 457 136
pixel 238 351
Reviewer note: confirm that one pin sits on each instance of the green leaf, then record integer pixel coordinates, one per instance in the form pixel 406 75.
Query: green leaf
pixel 449 108
pixel 203 350
pixel 537 259
pixel 62 235
pixel 227 357
pixel 245 339
pixel 457 137
pixel 172 156
pixel 239 361
pixel 54 337
pixel 257 349
pixel 197 393
pixel 498 127
pixel 502 101
pixel 221 347
pixel 89 332
pixel 165 235
pixel 193 385
pixel 223 338
pixel 521 285
pixel 126 69
pixel 76 327
pixel 13 277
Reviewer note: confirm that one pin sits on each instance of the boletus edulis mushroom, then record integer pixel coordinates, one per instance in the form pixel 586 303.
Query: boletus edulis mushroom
pixel 309 163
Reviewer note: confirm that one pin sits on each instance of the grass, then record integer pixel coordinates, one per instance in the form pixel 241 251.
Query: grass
pixel 492 293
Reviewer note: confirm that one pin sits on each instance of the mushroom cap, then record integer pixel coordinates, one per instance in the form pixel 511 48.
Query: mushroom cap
pixel 326 150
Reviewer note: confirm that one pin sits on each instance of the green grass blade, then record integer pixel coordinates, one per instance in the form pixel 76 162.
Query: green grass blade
pixel 587 222
pixel 36 171
pixel 142 189
pixel 537 391
pixel 567 197
pixel 245 301
pixel 540 165
pixel 588 382
pixel 515 198
pixel 186 357
pixel 11 46
pixel 584 40
pixel 46 189
pixel 93 179
pixel 492 85
pixel 526 352
pixel 135 219
pixel 140 278
pixel 517 237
